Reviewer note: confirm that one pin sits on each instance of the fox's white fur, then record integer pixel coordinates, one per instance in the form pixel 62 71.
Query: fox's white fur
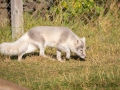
pixel 39 37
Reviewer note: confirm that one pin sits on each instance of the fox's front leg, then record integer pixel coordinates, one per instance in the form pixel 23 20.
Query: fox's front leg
pixel 59 55
pixel 67 53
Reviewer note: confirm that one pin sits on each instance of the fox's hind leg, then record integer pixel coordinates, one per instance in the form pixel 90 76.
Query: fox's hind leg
pixel 42 51
pixel 20 56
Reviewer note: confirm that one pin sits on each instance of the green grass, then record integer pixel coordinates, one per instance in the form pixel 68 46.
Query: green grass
pixel 99 71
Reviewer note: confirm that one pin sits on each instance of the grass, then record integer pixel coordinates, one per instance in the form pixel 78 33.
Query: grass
pixel 100 70
pixel 38 73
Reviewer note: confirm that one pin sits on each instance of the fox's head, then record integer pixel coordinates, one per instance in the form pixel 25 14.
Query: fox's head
pixel 80 48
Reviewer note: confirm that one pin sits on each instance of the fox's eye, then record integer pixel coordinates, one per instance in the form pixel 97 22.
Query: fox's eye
pixel 80 50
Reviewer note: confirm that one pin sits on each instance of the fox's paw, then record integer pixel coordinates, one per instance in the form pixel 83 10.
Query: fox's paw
pixel 61 60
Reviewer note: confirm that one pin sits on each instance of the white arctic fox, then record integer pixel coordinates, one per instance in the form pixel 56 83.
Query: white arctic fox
pixel 39 37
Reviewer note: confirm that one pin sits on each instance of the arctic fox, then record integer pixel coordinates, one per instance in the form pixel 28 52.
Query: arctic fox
pixel 39 37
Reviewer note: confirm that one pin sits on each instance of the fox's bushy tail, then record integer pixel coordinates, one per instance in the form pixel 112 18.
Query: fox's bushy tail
pixel 15 48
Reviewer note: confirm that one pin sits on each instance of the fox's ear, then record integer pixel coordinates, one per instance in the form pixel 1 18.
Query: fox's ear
pixel 76 42
pixel 83 39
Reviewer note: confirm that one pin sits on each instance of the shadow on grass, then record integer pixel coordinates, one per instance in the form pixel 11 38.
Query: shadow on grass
pixel 24 56
pixel 75 57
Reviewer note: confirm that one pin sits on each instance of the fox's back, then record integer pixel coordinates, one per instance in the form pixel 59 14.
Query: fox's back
pixel 49 34
pixel 48 30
